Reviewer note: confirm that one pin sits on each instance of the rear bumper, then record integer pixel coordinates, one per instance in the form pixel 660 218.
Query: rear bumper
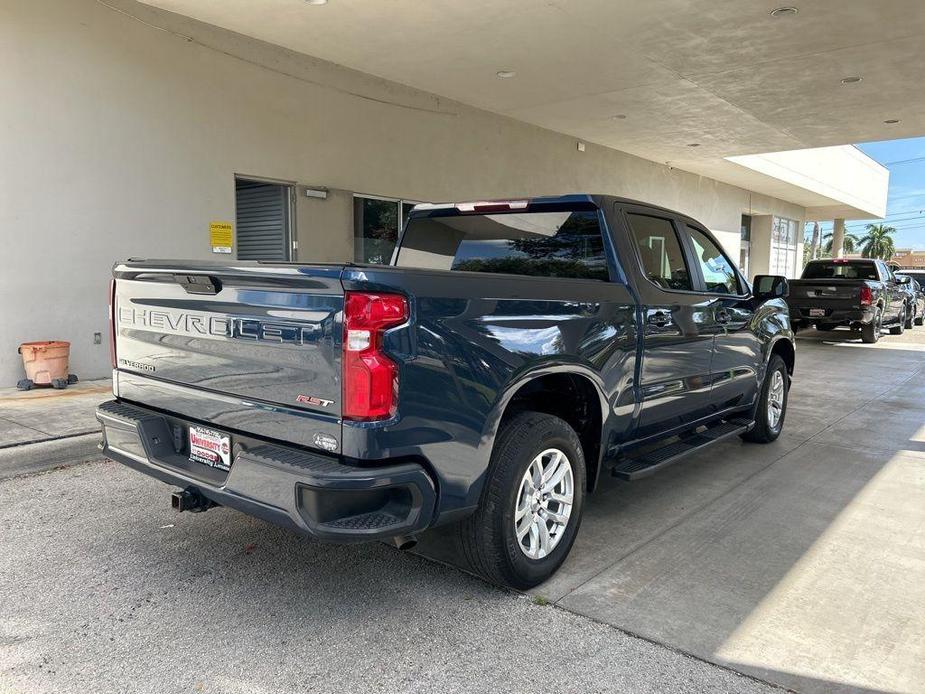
pixel 308 492
pixel 839 316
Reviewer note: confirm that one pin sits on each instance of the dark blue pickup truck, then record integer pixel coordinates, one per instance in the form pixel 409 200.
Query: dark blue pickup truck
pixel 511 354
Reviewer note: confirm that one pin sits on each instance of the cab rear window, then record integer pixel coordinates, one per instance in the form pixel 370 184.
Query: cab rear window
pixel 538 244
pixel 846 271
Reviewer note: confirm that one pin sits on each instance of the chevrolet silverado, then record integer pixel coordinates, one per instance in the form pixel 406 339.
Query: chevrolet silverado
pixel 511 354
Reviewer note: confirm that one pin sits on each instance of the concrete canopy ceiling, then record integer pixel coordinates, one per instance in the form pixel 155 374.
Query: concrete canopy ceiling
pixel 724 75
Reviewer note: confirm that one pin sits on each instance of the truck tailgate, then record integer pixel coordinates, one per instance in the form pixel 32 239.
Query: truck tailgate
pixel 813 292
pixel 262 335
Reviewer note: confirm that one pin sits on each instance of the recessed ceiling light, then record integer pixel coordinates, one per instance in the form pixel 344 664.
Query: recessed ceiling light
pixel 892 121
pixel 851 80
pixel 619 116
pixel 694 144
pixel 506 74
pixel 316 2
pixel 783 12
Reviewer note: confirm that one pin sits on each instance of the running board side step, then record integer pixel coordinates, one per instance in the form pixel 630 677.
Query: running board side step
pixel 645 464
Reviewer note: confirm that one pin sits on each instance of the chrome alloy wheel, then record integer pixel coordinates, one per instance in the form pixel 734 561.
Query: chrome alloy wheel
pixel 544 503
pixel 775 399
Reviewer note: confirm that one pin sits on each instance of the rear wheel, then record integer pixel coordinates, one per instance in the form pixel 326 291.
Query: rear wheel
pixel 910 317
pixel 531 505
pixel 772 403
pixel 870 332
pixel 920 318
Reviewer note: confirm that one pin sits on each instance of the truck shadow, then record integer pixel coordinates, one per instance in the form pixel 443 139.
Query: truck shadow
pixel 743 553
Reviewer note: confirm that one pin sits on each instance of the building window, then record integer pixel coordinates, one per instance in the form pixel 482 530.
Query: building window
pixel 377 223
pixel 745 243
pixel 783 247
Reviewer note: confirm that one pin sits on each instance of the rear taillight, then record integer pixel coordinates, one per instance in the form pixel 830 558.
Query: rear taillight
pixel 112 322
pixel 370 377
pixel 867 296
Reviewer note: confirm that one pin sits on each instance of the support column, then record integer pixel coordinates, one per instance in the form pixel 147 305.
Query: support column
pixel 838 239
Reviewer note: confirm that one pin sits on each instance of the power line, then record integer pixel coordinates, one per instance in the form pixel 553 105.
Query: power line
pixel 904 197
pixel 885 222
pixel 903 161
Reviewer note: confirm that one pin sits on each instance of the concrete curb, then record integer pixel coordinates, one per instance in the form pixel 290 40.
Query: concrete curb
pixel 16 461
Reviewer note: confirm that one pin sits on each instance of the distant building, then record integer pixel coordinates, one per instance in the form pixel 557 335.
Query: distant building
pixel 909 258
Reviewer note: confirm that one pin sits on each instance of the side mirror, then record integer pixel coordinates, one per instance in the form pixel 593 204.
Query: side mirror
pixel 770 287
pixel 903 279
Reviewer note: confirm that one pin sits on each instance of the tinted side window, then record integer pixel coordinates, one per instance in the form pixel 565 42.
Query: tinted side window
pixel 539 244
pixel 660 251
pixel 718 273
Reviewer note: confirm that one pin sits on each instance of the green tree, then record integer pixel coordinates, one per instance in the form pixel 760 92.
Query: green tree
pixel 850 245
pixel 878 242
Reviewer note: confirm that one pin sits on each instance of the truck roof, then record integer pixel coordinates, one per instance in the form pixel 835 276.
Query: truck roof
pixel 534 204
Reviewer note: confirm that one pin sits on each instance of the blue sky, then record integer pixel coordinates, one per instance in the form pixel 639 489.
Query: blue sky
pixel 906 201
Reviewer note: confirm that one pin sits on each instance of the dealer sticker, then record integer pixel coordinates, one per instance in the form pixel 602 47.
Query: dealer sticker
pixel 210 447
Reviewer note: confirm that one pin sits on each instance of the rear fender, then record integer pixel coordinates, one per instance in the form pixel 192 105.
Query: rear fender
pixel 497 412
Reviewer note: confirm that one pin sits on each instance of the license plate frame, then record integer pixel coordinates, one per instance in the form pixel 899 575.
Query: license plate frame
pixel 209 447
pixel 817 313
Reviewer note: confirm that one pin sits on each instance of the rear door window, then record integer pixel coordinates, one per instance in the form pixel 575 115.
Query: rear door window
pixel 660 251
pixel 538 244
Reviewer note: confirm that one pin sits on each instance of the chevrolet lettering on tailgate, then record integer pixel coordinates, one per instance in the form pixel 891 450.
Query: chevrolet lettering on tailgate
pixel 205 325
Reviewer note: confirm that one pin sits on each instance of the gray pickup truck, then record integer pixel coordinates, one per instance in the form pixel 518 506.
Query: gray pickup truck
pixel 861 293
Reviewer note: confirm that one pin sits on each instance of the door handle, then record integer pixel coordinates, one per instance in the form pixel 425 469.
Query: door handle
pixel 722 316
pixel 659 319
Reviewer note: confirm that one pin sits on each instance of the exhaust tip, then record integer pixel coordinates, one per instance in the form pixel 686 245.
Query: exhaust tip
pixel 404 542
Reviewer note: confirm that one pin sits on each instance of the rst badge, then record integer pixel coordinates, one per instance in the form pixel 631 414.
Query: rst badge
pixel 312 400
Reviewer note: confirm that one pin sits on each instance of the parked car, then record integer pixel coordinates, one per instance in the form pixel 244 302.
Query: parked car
pixel 512 354
pixel 917 287
pixel 858 292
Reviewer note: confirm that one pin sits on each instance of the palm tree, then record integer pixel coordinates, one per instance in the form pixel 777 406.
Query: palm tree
pixel 878 243
pixel 849 246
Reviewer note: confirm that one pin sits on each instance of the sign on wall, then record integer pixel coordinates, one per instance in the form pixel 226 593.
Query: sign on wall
pixel 221 235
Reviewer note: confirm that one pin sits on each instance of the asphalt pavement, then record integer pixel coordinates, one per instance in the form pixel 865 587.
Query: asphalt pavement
pixel 105 589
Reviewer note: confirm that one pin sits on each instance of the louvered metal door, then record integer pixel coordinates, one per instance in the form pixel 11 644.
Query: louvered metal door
pixel 262 220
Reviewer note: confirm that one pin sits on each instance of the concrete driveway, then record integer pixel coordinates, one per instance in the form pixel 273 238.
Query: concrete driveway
pixel 800 564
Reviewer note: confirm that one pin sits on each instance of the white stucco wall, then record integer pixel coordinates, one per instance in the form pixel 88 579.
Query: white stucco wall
pixel 119 138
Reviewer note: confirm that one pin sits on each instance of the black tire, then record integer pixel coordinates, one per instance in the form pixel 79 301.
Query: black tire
pixel 920 319
pixel 870 332
pixel 910 317
pixel 25 384
pixel 488 538
pixel 763 431
pixel 900 326
pixel 59 383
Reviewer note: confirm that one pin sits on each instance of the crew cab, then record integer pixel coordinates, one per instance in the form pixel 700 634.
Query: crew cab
pixel 862 293
pixel 511 354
